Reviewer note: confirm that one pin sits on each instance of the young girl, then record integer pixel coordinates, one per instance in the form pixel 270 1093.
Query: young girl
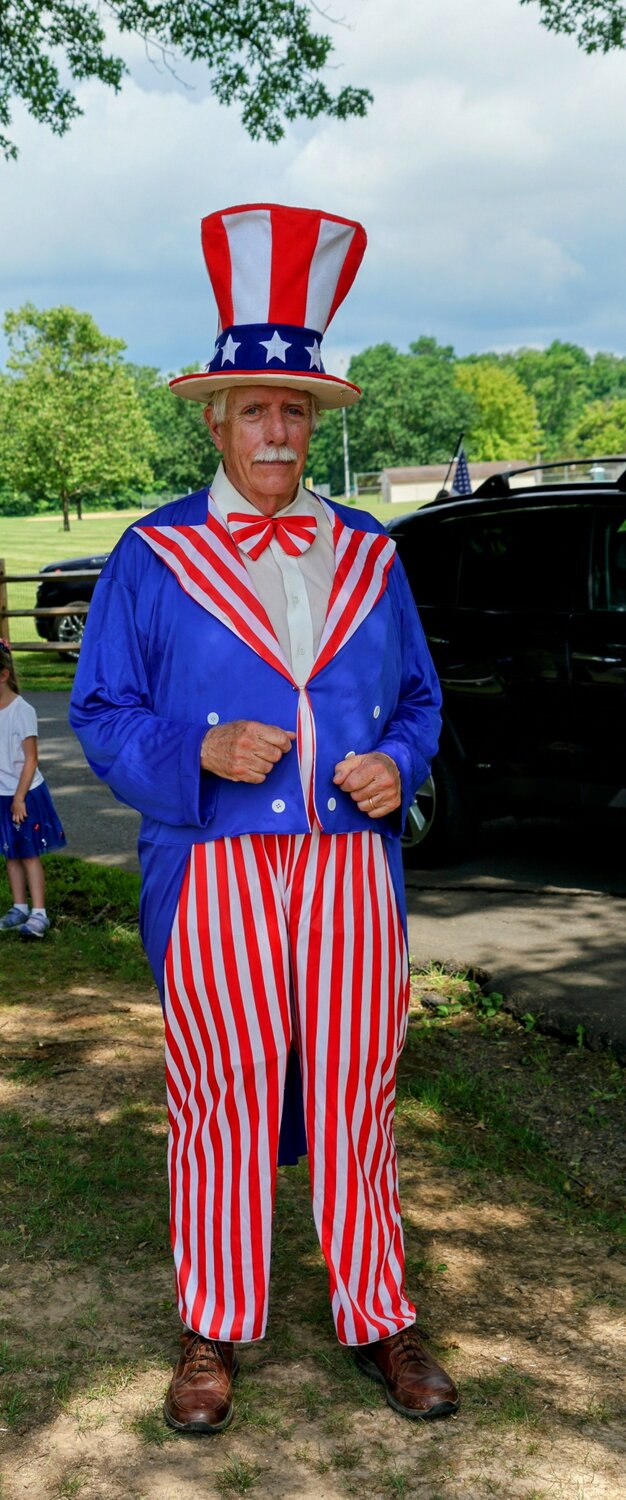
pixel 29 825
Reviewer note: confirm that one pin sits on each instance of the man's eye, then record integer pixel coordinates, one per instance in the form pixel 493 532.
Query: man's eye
pixel 295 411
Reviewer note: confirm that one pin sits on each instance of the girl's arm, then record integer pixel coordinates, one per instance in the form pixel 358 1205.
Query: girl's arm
pixel 18 805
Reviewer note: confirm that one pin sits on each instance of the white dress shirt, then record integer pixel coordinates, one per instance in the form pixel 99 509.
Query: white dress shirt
pixel 294 591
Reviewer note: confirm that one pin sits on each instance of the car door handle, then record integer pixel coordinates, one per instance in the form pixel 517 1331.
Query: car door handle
pixel 452 682
pixel 602 661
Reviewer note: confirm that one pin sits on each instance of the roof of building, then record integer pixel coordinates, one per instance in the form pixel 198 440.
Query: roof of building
pixel 424 472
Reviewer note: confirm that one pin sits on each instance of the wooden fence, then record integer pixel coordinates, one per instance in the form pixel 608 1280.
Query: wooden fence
pixel 74 607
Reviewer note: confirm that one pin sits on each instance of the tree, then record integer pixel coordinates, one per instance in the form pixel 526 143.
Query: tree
pixel 412 408
pixel 72 424
pixel 601 430
pixel 559 379
pixel 607 376
pixel 411 412
pixel 183 457
pixel 325 460
pixel 598 25
pixel 505 423
pixel 261 54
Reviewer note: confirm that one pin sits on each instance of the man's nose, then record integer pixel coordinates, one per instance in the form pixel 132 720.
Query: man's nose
pixel 276 427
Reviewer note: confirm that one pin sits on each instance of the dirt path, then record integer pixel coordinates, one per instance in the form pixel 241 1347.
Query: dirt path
pixel 523 1299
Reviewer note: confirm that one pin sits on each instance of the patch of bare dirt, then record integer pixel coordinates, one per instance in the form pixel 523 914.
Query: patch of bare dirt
pixel 526 1312
pixel 75 1056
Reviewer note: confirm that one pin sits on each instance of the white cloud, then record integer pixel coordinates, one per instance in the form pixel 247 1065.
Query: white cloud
pixel 489 175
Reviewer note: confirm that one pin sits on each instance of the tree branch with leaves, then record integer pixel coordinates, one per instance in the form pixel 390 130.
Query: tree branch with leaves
pixel 263 55
pixel 597 25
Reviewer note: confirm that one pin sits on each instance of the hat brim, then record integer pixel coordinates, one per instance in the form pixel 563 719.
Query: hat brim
pixel 331 392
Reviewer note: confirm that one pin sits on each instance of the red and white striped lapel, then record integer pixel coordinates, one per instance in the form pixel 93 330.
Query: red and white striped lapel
pixel 208 567
pixel 362 562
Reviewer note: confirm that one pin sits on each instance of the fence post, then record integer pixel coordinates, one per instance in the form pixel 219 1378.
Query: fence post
pixel 4 602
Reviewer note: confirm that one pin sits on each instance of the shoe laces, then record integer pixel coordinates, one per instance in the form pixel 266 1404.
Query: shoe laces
pixel 408 1350
pixel 203 1354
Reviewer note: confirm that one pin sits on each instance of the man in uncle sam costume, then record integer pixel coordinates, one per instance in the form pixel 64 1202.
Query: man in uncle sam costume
pixel 255 680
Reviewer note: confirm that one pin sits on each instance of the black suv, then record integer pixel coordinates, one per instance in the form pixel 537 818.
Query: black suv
pixel 59 588
pixel 521 588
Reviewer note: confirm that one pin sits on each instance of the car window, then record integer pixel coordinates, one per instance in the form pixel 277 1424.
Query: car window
pixel 608 574
pixel 525 560
pixel 431 550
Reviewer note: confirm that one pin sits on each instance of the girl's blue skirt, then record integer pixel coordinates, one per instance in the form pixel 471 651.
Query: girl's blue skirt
pixel 41 831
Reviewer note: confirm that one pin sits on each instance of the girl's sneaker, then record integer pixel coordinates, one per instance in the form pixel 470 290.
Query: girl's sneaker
pixel 13 918
pixel 35 926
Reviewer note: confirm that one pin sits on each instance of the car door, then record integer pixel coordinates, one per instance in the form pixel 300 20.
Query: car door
pixel 598 656
pixel 429 546
pixel 508 689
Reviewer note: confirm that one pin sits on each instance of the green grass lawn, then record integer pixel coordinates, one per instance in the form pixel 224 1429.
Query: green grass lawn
pixel 27 543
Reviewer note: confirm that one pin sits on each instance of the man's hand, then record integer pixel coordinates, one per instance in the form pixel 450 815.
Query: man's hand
pixel 244 750
pixel 372 781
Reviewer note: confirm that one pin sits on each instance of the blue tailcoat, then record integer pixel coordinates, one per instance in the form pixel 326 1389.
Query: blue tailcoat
pixel 155 664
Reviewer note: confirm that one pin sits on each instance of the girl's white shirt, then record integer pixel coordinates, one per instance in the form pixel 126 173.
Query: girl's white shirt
pixel 17 722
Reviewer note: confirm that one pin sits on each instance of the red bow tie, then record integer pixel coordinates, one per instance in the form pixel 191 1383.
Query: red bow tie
pixel 295 533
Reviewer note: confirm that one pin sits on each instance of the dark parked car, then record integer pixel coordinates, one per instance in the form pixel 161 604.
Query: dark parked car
pixel 60 588
pixel 521 589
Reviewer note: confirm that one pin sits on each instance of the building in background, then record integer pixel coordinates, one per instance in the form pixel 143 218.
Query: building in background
pixel 415 486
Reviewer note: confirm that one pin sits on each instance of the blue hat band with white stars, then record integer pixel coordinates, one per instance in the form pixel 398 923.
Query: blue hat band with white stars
pixel 271 346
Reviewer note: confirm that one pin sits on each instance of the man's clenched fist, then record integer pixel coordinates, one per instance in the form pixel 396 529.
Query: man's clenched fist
pixel 244 750
pixel 372 781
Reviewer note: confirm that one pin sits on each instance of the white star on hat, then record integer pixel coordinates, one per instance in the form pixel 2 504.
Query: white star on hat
pixel 276 347
pixel 229 349
pixel 315 353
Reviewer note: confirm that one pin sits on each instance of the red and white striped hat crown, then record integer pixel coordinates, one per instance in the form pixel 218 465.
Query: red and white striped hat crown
pixel 279 275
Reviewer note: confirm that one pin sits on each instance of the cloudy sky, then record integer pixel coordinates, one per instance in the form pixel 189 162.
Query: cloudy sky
pixel 489 173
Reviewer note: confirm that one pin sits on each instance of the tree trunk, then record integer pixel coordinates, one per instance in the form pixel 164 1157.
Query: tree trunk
pixel 79 508
pixel 66 511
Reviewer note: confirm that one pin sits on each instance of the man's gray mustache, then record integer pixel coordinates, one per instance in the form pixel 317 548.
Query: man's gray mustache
pixel 275 455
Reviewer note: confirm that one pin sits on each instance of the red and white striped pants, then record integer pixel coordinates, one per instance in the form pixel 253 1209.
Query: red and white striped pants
pixel 277 935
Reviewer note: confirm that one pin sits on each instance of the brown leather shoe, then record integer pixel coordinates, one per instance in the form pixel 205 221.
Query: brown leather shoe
pixel 415 1385
pixel 199 1398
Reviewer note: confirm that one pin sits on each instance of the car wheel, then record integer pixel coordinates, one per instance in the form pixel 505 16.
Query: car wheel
pixel 439 822
pixel 70 628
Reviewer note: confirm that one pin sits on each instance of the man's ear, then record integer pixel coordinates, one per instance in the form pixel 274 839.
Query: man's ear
pixel 214 428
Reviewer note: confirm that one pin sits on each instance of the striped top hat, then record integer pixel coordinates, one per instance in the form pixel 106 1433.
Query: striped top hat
pixel 278 275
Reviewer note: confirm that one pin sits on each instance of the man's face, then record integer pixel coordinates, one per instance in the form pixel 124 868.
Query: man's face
pixel 262 420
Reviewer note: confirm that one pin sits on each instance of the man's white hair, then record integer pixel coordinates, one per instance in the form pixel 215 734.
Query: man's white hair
pixel 218 405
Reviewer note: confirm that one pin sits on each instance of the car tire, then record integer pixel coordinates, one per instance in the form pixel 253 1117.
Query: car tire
pixel 439 822
pixel 70 627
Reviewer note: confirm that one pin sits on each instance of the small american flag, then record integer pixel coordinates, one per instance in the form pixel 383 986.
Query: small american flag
pixel 462 484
